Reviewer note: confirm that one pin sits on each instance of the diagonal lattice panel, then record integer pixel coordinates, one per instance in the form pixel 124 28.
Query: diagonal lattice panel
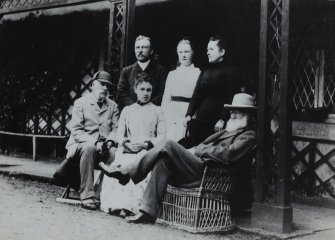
pixel 12 4
pixel 58 122
pixel 52 112
pixel 313 170
pixel 305 76
pixel 313 66
pixel 116 41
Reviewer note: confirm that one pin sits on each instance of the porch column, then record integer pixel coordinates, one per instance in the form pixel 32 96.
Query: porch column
pixel 120 32
pixel 272 210
pixel 129 42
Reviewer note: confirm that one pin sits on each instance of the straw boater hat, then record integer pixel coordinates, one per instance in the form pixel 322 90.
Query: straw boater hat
pixel 242 101
pixel 102 76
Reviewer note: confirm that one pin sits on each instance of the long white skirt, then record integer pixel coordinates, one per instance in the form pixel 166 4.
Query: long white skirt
pixel 116 196
pixel 174 113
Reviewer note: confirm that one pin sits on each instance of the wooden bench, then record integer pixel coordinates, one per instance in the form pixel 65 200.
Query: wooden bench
pixel 34 139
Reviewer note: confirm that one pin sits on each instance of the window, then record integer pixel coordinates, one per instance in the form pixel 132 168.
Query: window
pixel 314 69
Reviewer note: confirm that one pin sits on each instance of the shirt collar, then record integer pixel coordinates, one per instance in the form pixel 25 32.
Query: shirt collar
pixel 143 65
pixel 96 100
pixel 141 104
pixel 187 67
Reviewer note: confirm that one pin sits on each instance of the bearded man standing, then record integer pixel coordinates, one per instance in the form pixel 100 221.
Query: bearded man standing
pixel 172 164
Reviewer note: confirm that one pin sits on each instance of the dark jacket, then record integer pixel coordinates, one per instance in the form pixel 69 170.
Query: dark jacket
pixel 126 95
pixel 215 87
pixel 235 150
pixel 226 148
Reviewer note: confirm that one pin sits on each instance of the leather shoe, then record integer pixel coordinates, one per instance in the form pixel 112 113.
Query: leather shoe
pixel 141 217
pixel 126 213
pixel 90 204
pixel 114 172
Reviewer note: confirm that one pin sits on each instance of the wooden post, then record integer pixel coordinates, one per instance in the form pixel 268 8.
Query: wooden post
pixel 262 98
pixel 273 216
pixel 36 124
pixel 310 188
pixel 129 34
pixel 285 123
pixel 49 121
pixel 123 35
pixel 110 38
pixel 320 79
pixel 54 151
pixel 34 148
pixel 63 121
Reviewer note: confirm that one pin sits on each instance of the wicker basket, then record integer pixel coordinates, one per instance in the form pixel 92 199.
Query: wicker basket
pixel 202 209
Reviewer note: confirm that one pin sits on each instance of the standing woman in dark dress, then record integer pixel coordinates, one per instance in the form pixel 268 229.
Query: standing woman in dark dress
pixel 216 86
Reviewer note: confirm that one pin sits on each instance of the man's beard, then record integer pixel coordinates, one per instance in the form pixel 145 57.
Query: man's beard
pixel 236 124
pixel 102 96
pixel 143 60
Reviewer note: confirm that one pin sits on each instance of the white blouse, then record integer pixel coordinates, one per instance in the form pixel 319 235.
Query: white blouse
pixel 181 83
pixel 140 123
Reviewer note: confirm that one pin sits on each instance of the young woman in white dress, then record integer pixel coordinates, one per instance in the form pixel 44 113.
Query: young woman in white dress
pixel 141 126
pixel 179 88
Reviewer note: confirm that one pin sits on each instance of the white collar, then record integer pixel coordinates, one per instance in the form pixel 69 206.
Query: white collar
pixel 181 67
pixel 95 99
pixel 143 65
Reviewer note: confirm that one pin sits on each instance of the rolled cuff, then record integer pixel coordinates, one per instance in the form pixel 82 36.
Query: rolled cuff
pixel 150 145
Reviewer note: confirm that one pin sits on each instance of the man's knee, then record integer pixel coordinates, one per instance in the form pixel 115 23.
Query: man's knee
pixel 112 151
pixel 86 150
pixel 172 147
pixel 164 165
pixel 170 144
pixel 164 146
pixel 111 155
pixel 87 147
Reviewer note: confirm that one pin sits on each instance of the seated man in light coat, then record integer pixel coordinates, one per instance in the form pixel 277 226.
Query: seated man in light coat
pixel 93 131
pixel 171 163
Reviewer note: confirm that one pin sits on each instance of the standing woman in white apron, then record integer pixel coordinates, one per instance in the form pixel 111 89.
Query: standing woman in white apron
pixel 179 88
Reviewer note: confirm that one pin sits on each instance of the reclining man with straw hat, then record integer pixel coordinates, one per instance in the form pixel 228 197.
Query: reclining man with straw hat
pixel 170 163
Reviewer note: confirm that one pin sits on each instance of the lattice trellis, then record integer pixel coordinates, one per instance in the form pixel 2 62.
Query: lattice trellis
pixel 116 41
pixel 313 171
pixel 12 4
pixel 57 122
pixel 305 77
pixel 54 119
